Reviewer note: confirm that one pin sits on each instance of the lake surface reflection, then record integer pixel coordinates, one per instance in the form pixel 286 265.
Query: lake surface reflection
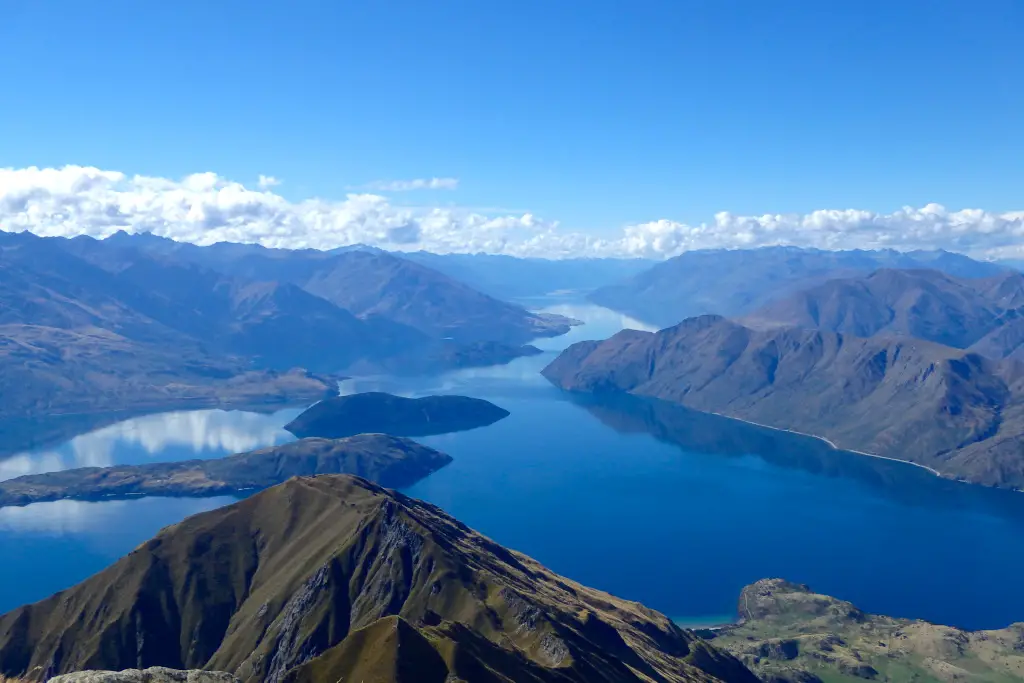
pixel 647 500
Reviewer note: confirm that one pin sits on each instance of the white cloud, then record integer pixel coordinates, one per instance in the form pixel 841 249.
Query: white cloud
pixel 267 181
pixel 204 208
pixel 415 184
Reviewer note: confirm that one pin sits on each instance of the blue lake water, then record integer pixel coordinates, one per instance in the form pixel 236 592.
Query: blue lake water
pixel 653 502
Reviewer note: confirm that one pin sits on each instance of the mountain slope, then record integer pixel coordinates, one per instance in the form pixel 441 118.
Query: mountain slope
pixel 737 282
pixel 277 323
pixel 925 304
pixel 377 285
pixel 950 410
pixel 983 314
pixel 372 284
pixel 50 371
pixel 303 582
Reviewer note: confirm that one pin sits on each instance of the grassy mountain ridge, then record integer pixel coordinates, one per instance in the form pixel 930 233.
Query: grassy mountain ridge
pixel 273 588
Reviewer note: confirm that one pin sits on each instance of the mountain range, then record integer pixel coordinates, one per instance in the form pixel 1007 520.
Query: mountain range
pixel 983 314
pixel 739 281
pixel 953 411
pixel 89 325
pixel 370 283
pixel 333 578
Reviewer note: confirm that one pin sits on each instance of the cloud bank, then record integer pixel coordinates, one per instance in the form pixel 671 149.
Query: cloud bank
pixel 416 184
pixel 204 208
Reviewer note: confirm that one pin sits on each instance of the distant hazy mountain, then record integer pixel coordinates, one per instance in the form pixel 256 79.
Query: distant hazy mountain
pixel 948 409
pixel 332 578
pixel 71 341
pixel 737 282
pixel 372 285
pixel 508 277
pixel 377 285
pixel 277 323
pixel 983 314
pixel 139 322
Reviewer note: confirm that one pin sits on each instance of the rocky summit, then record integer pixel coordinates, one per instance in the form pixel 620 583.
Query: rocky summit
pixel 156 674
pixel 333 578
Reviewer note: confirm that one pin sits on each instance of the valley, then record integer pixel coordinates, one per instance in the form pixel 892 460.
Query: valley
pixel 545 472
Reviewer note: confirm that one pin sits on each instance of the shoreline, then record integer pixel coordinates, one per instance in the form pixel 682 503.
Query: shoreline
pixel 832 445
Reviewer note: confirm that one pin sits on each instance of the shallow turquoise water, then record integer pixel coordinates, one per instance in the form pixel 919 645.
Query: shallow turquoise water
pixel 652 502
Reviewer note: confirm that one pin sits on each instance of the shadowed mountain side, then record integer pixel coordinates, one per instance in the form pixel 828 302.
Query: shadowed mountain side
pixel 387 460
pixel 789 633
pixel 939 407
pixel 292 584
pixel 694 431
pixel 377 411
pixel 739 281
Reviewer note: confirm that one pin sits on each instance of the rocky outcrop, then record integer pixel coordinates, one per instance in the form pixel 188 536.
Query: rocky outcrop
pixel 156 674
pixel 787 632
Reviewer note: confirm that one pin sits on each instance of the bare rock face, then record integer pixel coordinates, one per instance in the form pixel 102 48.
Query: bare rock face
pixel 156 674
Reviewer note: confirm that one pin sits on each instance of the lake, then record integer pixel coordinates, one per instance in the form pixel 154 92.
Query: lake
pixel 649 501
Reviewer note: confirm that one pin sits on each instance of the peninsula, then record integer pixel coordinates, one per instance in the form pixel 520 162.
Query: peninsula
pixel 387 460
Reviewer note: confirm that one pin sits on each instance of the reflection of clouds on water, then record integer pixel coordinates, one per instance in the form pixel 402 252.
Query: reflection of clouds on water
pixel 20 465
pixel 65 517
pixel 194 431
pixel 198 430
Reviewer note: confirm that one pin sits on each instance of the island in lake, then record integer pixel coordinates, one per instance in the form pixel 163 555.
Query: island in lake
pixel 375 411
pixel 391 461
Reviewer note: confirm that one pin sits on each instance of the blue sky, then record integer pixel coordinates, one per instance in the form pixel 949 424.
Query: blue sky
pixel 594 114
